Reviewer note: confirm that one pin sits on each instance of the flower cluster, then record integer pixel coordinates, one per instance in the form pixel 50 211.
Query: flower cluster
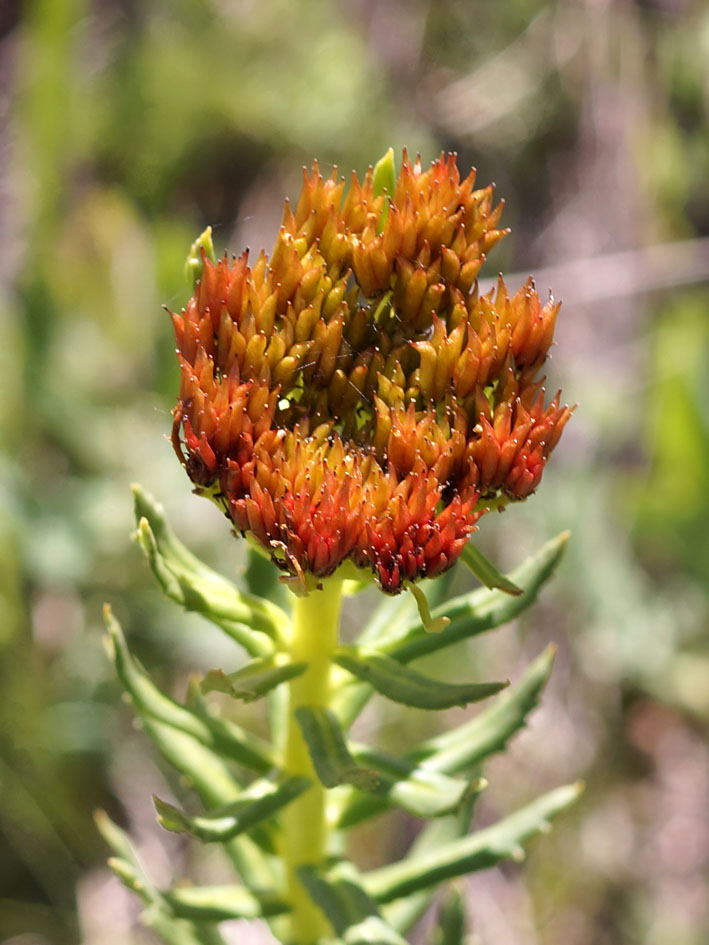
pixel 354 396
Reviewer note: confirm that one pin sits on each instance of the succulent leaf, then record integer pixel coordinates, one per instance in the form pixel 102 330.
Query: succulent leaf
pixel 402 913
pixel 220 903
pixel 450 927
pixel 417 790
pixel 159 914
pixel 503 840
pixel 190 583
pixel 331 758
pixel 352 912
pixel 259 801
pixel 483 609
pixel 255 679
pixel 214 735
pixel 486 572
pixel 404 685
pixel 456 750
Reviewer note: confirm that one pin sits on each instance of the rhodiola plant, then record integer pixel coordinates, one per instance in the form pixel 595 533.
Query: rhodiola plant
pixel 353 405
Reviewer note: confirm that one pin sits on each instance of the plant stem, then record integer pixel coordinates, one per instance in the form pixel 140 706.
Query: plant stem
pixel 314 637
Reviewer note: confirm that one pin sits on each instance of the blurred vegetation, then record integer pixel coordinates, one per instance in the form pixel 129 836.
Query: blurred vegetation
pixel 125 128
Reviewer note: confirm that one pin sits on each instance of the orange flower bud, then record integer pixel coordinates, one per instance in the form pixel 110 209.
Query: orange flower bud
pixel 354 397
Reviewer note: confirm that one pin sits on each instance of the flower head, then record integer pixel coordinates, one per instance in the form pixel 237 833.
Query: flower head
pixel 354 396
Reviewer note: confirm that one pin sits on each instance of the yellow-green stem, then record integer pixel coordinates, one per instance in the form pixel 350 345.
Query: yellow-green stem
pixel 313 639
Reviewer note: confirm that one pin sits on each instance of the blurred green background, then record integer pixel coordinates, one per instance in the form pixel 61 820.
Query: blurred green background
pixel 126 127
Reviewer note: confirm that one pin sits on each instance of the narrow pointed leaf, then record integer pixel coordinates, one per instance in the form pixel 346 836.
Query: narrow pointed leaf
pixel 212 780
pixel 189 582
pixel 116 838
pixel 158 916
pixel 486 572
pixel 487 733
pixel 389 621
pixel 480 610
pixel 130 877
pixel 451 921
pixel 372 931
pixel 480 850
pixel 125 864
pixel 215 734
pixel 194 591
pixel 401 914
pixel 253 680
pixel 404 685
pixel 421 792
pixel 220 903
pixel 396 630
pixel 351 911
pixel 175 931
pixel 202 769
pixel 259 801
pixel 331 759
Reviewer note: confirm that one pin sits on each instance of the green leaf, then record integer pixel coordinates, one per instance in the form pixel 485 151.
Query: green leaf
pixel 125 864
pixel 255 679
pixel 392 617
pixel 259 801
pixel 190 583
pixel 480 610
pixel 220 903
pixel 208 775
pixel 180 736
pixel 159 914
pixel 372 931
pixel 421 792
pixel 352 912
pixel 396 630
pixel 458 749
pixel 202 768
pixel 403 913
pixel 486 572
pixel 220 737
pixel 451 921
pixel 130 876
pixel 406 686
pixel 331 759
pixel 116 838
pixel 175 931
pixel 480 850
